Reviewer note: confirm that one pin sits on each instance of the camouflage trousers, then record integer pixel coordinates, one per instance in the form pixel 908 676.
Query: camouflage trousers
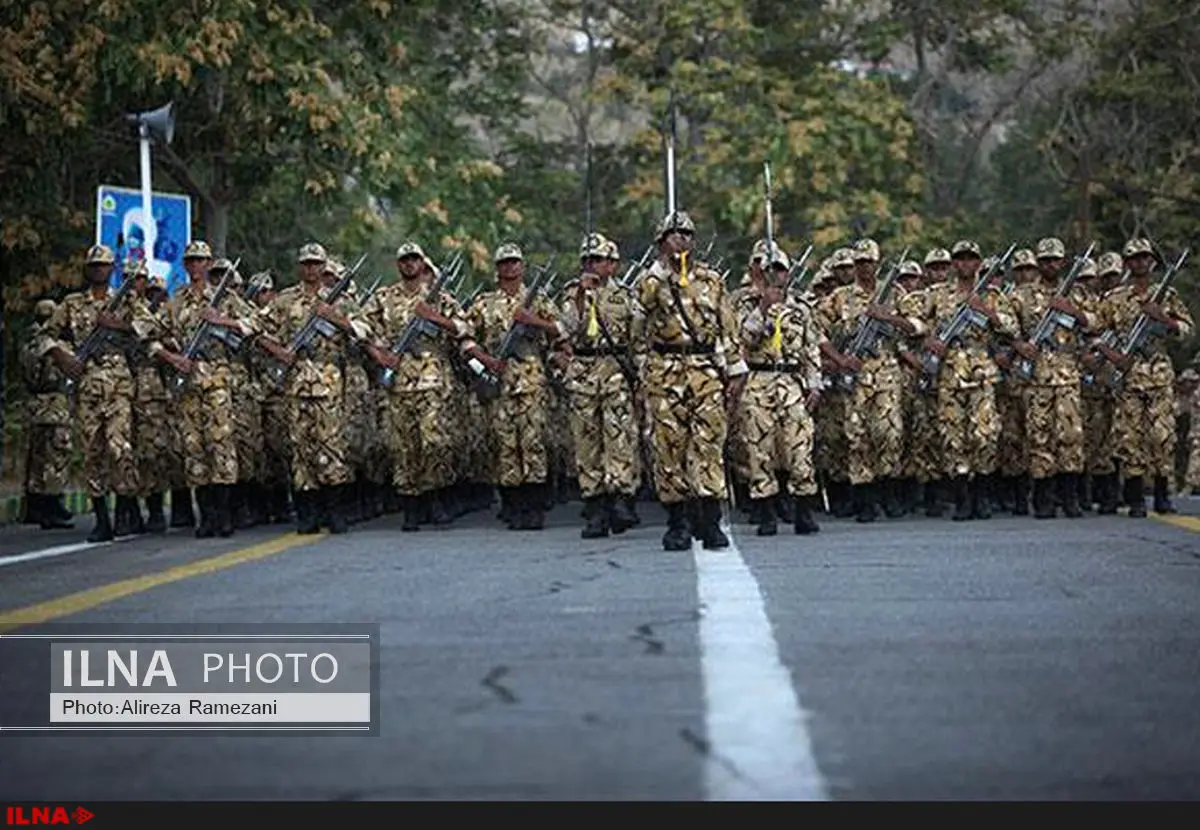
pixel 688 425
pixel 378 468
pixel 154 448
pixel 210 452
pixel 874 432
pixel 476 441
pixel 1054 430
pixel 248 431
pixel 1144 432
pixel 605 435
pixel 927 461
pixel 104 408
pixel 970 428
pixel 277 447
pixel 48 462
pixel 560 442
pixel 831 448
pixel 519 429
pixel 1192 477
pixel 422 445
pixel 359 420
pixel 1012 451
pixel 318 437
pixel 1097 434
pixel 778 434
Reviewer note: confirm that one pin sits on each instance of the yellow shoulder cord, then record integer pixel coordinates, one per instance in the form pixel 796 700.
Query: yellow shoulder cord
pixel 683 258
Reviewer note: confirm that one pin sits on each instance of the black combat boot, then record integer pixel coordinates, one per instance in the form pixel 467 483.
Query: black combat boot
pixel 1107 494
pixel 1086 485
pixel 981 497
pixel 712 537
pixel 866 501
pixel 631 503
pixel 893 504
pixel 537 496
pixel 437 512
pixel 308 517
pixel 784 507
pixel 679 533
pixel 1162 497
pixel 804 523
pixel 206 526
pixel 620 516
pixel 1068 488
pixel 1021 487
pixel 1005 489
pixel 595 517
pixel 1044 506
pixel 240 498
pixel 51 514
pixel 33 509
pixel 962 498
pixel 411 508
pixel 182 514
pixel 933 499
pixel 1135 497
pixel 333 500
pixel 156 521
pixel 223 502
pixel 103 530
pixel 767 520
pixel 753 511
pixel 126 510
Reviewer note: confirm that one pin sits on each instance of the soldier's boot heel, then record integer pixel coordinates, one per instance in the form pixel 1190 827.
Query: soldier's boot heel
pixel 412 514
pixel 51 511
pixel 156 520
pixel 438 514
pixel 620 516
pixel 126 507
pixel 893 506
pixel 223 498
pixel 767 523
pixel 182 514
pixel 1006 493
pixel 1162 497
pixel 308 521
pixel 1044 506
pixel 1135 497
pixel 102 531
pixel 1085 487
pixel 713 537
pixel 785 508
pixel 33 509
pixel 334 505
pixel 981 497
pixel 679 535
pixel 1020 496
pixel 932 498
pixel 962 499
pixel 1068 488
pixel 1107 494
pixel 537 500
pixel 595 517
pixel 804 523
pixel 864 495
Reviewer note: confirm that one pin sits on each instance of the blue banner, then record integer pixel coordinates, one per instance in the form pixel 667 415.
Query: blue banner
pixel 119 225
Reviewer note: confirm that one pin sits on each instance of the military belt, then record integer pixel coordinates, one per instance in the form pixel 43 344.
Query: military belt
pixel 681 348
pixel 789 368
pixel 595 351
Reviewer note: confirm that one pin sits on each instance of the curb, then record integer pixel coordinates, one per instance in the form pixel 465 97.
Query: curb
pixel 12 508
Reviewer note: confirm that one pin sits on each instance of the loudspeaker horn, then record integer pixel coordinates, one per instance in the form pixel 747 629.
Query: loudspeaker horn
pixel 160 122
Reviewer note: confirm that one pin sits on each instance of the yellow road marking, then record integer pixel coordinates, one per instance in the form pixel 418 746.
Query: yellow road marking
pixel 1186 522
pixel 93 597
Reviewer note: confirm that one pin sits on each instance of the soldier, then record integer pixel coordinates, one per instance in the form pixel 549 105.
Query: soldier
pixel 315 388
pixel 874 416
pixel 597 315
pixel 783 345
pixel 275 459
pixel 912 301
pixel 103 389
pixel 742 300
pixel 48 422
pixel 1053 417
pixel 518 414
pixel 1013 483
pixel 966 402
pixel 1190 389
pixel 207 390
pixel 831 415
pixel 1143 418
pixel 929 463
pixel 693 371
pixel 420 396
pixel 1092 398
pixel 152 430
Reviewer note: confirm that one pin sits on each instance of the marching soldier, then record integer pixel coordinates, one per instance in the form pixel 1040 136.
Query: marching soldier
pixel 273 464
pixel 103 387
pixel 1102 463
pixel 207 390
pixel 912 301
pixel 783 346
pixel 966 402
pixel 1053 417
pixel 421 394
pixel 874 417
pixel 518 414
pixel 1013 481
pixel 742 300
pixel 929 462
pixel 693 371
pixel 601 380
pixel 315 387
pixel 1144 419
pixel 1093 399
pixel 48 421
pixel 831 415
pixel 152 430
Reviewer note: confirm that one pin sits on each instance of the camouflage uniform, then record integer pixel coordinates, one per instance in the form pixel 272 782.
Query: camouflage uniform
pixel 966 399
pixel 832 449
pixel 315 388
pixel 1144 417
pixel 48 430
pixel 273 463
pixel 1192 404
pixel 1099 481
pixel 688 357
pixel 103 402
pixel 1053 417
pixel 153 433
pixel 421 390
pixel 874 416
pixel 782 343
pixel 518 413
pixel 598 320
pixel 925 438
pixel 1011 391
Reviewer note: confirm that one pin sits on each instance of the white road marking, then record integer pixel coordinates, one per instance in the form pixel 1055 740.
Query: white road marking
pixel 757 732
pixel 48 553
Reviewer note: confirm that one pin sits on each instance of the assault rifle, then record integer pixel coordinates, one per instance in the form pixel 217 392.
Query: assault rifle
pixel 206 330
pixel 417 326
pixel 964 317
pixel 1053 319
pixel 1144 328
pixel 315 324
pixel 798 278
pixel 870 331
pixel 100 336
pixel 628 278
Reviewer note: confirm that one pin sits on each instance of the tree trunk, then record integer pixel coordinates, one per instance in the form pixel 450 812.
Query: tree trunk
pixel 216 226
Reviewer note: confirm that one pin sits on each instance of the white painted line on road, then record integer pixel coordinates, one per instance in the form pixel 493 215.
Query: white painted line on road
pixel 759 746
pixel 48 553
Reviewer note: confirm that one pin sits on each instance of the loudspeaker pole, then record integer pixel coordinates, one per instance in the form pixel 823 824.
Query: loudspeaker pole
pixel 149 227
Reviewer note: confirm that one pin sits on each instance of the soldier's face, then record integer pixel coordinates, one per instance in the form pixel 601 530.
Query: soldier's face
pixel 510 270
pixel 607 267
pixel 936 271
pixel 98 273
pixel 409 267
pixel 843 274
pixel 1140 264
pixel 197 269
pixel 678 242
pixel 864 269
pixel 310 272
pixel 967 266
pixel 215 277
pixel 1049 268
pixel 1024 274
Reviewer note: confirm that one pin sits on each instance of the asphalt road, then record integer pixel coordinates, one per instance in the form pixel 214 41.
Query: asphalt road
pixel 912 659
